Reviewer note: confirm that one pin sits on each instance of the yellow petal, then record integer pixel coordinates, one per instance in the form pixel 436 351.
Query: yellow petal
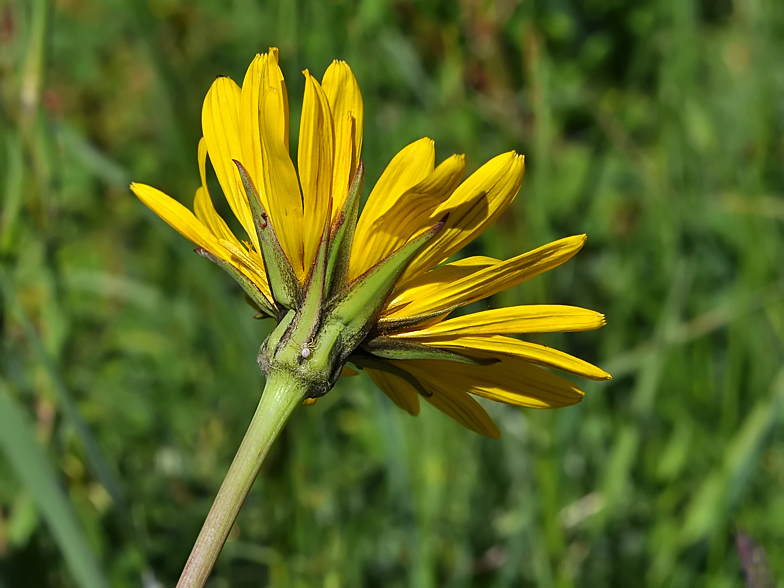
pixel 279 177
pixel 454 403
pixel 542 318
pixel 430 283
pixel 250 264
pixel 422 298
pixel 410 166
pixel 407 214
pixel 457 404
pixel 345 102
pixel 221 127
pixel 207 215
pixel 510 380
pixel 272 80
pixel 316 157
pixel 399 391
pixel 179 218
pixel 250 124
pixel 473 206
pixel 532 352
pixel 347 372
pixel 184 222
pixel 203 206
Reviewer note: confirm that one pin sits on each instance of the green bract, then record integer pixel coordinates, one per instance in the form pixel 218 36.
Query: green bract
pixel 321 325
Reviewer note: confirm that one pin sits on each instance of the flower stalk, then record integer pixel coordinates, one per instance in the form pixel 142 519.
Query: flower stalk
pixel 282 394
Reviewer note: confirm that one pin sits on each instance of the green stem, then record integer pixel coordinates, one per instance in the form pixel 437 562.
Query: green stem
pixel 282 394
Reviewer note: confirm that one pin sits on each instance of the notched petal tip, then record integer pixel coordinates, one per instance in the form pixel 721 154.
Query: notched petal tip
pixel 138 189
pixel 599 375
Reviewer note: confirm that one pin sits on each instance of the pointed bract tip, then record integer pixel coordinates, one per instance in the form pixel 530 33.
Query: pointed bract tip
pixel 252 193
pixel 206 254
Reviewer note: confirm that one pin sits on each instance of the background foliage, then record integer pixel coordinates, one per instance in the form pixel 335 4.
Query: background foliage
pixel 127 364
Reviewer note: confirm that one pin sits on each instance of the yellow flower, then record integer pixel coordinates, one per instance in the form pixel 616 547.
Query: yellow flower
pixel 411 349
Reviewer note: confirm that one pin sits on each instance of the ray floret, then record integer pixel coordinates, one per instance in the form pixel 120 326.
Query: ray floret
pixel 373 289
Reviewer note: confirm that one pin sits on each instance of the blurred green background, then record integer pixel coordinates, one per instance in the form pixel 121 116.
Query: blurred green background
pixel 127 366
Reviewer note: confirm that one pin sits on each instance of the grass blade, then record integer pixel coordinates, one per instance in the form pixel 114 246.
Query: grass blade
pixel 32 465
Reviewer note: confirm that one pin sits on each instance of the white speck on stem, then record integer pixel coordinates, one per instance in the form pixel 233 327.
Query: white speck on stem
pixel 305 352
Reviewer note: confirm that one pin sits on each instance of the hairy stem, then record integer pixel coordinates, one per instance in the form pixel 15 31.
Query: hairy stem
pixel 282 394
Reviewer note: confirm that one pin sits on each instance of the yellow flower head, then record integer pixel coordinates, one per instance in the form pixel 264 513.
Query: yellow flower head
pixel 372 289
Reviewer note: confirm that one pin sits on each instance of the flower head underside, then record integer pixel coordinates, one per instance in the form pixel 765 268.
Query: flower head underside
pixel 373 289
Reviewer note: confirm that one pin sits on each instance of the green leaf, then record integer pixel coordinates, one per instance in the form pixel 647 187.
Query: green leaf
pixel 32 465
